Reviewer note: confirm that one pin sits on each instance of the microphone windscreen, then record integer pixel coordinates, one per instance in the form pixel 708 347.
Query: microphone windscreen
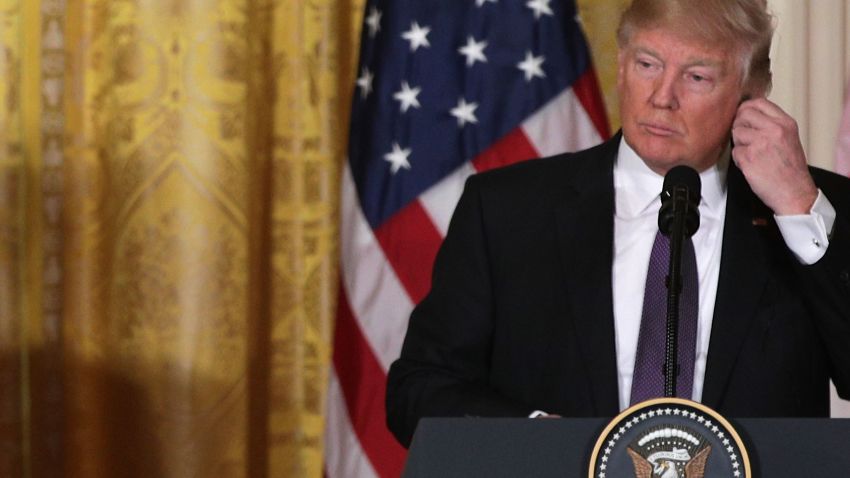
pixel 680 178
pixel 683 176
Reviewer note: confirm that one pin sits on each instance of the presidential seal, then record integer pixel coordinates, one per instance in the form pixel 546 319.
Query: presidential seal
pixel 669 438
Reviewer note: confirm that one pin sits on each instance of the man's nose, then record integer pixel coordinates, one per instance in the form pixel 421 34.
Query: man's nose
pixel 664 94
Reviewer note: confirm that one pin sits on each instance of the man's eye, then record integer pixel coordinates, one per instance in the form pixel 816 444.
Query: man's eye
pixel 699 83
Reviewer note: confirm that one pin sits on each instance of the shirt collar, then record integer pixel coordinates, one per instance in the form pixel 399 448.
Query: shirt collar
pixel 638 188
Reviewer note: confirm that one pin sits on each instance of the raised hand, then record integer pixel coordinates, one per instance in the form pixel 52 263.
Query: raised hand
pixel 768 151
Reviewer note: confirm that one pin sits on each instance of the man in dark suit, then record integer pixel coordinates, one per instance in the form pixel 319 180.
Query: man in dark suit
pixel 537 290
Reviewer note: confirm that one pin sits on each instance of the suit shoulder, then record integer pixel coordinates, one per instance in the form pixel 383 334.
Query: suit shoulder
pixel 549 170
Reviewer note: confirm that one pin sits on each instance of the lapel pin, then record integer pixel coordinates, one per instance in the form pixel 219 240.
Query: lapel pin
pixel 759 221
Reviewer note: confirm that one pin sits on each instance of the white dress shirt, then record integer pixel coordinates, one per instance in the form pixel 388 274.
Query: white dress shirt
pixel 637 202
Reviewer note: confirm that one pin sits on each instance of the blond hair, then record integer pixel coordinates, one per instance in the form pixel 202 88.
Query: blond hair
pixel 742 24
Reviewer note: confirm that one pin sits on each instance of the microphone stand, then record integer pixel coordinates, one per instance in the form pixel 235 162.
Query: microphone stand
pixel 674 289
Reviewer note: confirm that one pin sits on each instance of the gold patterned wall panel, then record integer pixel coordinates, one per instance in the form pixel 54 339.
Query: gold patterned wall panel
pixel 43 107
pixel 12 233
pixel 12 257
pixel 157 275
pixel 600 19
pixel 315 44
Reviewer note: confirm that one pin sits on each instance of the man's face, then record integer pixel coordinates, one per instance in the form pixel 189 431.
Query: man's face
pixel 678 98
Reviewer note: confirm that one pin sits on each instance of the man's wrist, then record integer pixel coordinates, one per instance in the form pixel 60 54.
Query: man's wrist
pixel 807 235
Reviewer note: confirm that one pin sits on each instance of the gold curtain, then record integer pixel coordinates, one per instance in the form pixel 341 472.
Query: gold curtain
pixel 599 19
pixel 169 177
pixel 168 202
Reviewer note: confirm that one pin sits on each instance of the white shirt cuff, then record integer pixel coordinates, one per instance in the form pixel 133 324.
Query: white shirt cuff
pixel 538 413
pixel 807 235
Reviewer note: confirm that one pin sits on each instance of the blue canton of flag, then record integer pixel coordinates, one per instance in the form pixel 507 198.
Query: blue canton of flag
pixel 441 80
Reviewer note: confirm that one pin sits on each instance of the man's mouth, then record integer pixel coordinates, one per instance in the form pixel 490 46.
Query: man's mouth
pixel 658 129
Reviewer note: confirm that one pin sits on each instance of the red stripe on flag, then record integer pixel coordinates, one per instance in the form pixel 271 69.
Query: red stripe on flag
pixel 512 148
pixel 410 242
pixel 586 88
pixel 363 384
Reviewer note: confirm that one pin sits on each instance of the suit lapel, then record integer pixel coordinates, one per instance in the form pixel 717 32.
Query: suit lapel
pixel 743 273
pixel 585 222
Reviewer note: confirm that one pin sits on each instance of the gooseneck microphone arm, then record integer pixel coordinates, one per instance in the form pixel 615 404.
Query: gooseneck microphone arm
pixel 678 219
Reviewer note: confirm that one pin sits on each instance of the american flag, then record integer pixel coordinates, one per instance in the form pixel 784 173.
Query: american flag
pixel 445 89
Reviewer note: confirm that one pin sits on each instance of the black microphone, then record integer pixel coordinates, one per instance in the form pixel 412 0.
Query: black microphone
pixel 680 195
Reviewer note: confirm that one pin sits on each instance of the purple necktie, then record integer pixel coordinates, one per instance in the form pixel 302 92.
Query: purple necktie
pixel 648 378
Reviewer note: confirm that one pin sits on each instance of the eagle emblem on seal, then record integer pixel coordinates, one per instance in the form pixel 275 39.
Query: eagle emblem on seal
pixel 669 452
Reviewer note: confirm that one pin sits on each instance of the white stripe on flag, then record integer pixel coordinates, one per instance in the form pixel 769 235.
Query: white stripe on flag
pixel 377 299
pixel 561 125
pixel 439 200
pixel 343 455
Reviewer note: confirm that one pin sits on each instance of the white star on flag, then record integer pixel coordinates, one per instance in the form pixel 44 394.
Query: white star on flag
pixel 365 83
pixel 417 36
pixel 473 51
pixel 398 158
pixel 540 7
pixel 532 66
pixel 464 112
pixel 373 21
pixel 407 96
pixel 479 3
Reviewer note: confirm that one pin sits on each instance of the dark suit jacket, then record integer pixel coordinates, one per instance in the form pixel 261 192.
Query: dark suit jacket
pixel 520 313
